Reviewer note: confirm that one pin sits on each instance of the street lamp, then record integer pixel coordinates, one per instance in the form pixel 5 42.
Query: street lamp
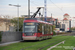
pixel 17 13
pixel 28 8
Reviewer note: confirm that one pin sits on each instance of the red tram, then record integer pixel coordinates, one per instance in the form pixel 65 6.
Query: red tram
pixel 34 29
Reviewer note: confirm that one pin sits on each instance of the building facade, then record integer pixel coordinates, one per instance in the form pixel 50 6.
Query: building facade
pixel 65 23
pixel 5 24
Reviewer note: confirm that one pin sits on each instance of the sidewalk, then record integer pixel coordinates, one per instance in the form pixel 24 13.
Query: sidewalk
pixel 4 44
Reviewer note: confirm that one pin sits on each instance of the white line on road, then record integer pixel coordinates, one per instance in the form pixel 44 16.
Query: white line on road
pixel 4 44
pixel 55 45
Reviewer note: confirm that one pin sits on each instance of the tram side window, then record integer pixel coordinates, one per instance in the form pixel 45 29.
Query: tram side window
pixel 40 27
pixel 47 29
pixel 50 29
pixel 44 29
pixel 45 32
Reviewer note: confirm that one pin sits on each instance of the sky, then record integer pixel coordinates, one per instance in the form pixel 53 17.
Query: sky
pixel 57 7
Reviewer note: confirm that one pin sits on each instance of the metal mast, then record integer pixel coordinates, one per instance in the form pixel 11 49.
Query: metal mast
pixel 45 9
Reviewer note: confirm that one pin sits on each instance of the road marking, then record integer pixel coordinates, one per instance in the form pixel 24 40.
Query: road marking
pixel 74 36
pixel 55 45
pixel 4 44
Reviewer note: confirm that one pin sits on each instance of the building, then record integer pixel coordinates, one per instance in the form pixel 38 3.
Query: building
pixel 65 23
pixel 5 24
pixel 72 21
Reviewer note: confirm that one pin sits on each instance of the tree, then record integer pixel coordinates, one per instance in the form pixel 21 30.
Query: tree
pixel 15 22
pixel 54 33
pixel 54 27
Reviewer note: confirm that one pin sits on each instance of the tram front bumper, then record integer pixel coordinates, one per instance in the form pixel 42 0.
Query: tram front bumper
pixel 29 38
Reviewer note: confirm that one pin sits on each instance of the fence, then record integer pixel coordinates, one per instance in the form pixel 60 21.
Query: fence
pixel 11 36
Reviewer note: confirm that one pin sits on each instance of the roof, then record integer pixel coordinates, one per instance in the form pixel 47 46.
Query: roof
pixel 65 19
pixel 35 20
pixel 66 14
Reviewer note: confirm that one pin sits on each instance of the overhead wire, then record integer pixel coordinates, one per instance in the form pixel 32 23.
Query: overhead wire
pixel 33 3
pixel 56 6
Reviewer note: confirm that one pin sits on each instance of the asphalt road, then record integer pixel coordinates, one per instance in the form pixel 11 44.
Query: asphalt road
pixel 70 34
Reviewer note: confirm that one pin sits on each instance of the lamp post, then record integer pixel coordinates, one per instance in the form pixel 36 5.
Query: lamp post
pixel 28 8
pixel 17 13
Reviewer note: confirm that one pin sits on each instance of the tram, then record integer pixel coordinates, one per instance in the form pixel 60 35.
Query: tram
pixel 34 29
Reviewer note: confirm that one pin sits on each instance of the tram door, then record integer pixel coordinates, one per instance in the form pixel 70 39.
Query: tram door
pixel 42 29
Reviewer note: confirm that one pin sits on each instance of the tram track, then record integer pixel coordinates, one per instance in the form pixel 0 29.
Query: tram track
pixel 27 47
pixel 42 43
pixel 52 44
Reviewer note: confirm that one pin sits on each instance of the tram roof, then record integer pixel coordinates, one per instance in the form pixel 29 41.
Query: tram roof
pixel 36 20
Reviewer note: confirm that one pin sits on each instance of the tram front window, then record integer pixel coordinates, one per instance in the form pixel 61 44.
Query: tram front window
pixel 29 28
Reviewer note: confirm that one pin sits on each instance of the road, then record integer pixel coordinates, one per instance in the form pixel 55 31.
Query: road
pixel 70 34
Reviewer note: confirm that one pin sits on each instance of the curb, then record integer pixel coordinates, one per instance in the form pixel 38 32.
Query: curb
pixel 4 44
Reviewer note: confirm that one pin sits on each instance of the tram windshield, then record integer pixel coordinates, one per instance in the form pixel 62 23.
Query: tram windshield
pixel 29 27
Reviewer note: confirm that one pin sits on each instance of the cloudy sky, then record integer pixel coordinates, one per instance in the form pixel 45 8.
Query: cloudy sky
pixel 57 7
